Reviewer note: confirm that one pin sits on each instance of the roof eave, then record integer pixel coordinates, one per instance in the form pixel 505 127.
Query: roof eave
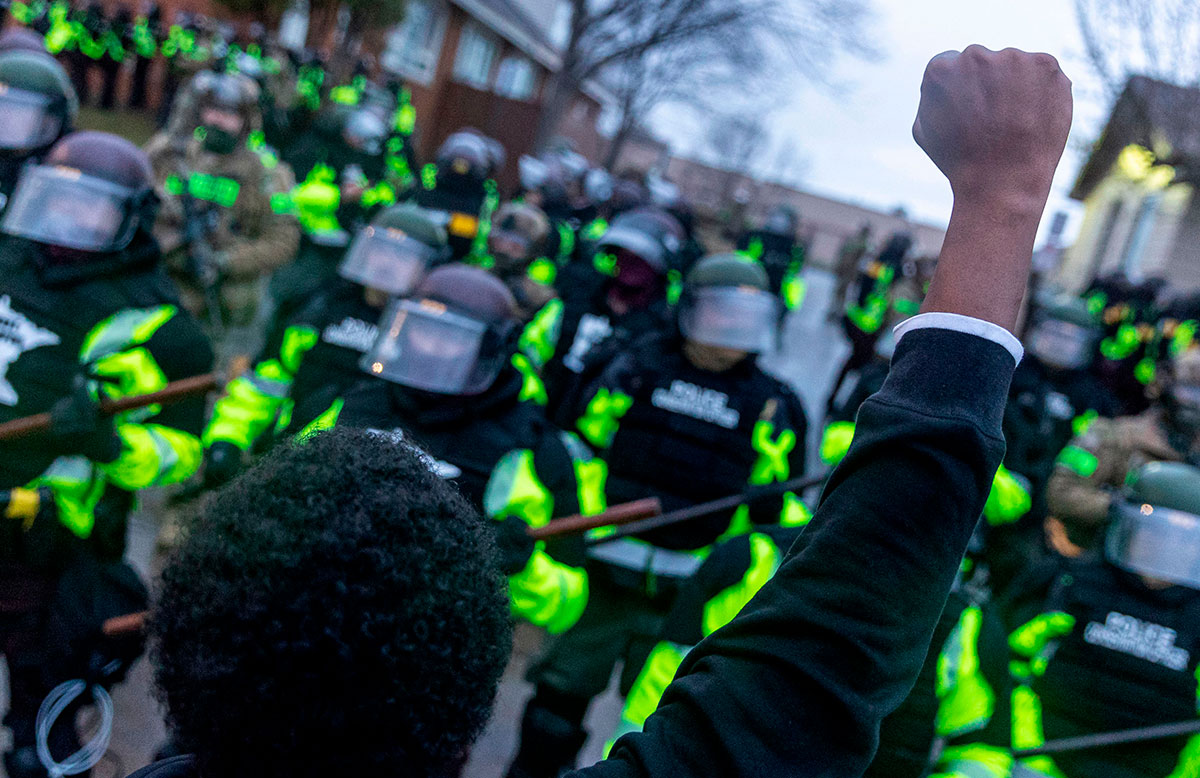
pixel 543 54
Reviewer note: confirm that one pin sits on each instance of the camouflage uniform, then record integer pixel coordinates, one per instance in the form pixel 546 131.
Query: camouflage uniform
pixel 250 239
pixel 1097 461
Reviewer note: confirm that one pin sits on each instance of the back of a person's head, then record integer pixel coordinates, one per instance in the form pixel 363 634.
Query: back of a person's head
pixel 336 610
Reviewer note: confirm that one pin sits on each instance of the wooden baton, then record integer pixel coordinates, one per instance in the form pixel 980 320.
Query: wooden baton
pixel 618 514
pixel 174 392
pixel 120 626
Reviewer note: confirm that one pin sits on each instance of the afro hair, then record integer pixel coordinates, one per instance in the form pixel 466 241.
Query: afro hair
pixel 337 609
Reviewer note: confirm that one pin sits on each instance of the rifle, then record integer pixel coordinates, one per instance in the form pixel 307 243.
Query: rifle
pixel 201 260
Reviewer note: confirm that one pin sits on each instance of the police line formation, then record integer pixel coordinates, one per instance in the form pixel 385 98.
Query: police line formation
pixel 560 352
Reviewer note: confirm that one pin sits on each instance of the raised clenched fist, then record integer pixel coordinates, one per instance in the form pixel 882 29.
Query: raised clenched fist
pixel 995 122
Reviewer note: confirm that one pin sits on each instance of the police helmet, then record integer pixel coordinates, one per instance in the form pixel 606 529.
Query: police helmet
pixel 727 303
pixel 37 101
pixel 91 193
pixel 1064 334
pixel 22 39
pixel 649 234
pixel 452 337
pixel 395 251
pixel 465 156
pixel 1155 525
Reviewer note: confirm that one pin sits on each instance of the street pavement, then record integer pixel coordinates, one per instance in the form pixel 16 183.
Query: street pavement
pixel 810 356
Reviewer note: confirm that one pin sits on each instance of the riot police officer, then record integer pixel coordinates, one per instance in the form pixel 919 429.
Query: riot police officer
pixel 1104 452
pixel 623 294
pixel 775 244
pixel 686 417
pixel 39 106
pixel 318 350
pixel 340 163
pixel 458 186
pixel 1109 642
pixel 88 314
pixel 516 253
pixel 875 302
pixel 442 380
pixel 217 226
pixel 1054 396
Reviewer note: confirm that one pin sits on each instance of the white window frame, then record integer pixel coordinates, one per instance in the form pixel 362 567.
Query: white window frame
pixel 413 47
pixel 478 50
pixel 516 78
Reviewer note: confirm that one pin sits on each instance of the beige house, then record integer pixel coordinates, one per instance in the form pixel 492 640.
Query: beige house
pixel 1142 214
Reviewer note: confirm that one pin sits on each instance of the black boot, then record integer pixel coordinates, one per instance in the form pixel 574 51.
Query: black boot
pixel 551 735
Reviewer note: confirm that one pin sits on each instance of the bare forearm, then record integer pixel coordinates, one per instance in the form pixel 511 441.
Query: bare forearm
pixel 985 260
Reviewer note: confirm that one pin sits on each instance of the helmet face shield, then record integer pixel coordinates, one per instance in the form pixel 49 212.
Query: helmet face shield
pixel 29 121
pixel 1062 345
pixel 61 206
pixel 741 318
pixel 386 259
pixel 1155 542
pixel 424 345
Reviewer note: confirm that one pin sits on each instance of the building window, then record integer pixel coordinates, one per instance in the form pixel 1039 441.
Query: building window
pixel 1139 236
pixel 412 47
pixel 477 52
pixel 1112 216
pixel 515 78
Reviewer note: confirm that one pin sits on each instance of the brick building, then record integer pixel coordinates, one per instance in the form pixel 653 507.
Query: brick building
pixel 486 64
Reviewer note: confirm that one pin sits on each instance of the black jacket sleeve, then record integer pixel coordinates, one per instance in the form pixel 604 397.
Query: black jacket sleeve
pixel 182 350
pixel 798 682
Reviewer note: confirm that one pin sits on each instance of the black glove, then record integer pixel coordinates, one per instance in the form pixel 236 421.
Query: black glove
pixel 222 461
pixel 514 544
pixel 77 426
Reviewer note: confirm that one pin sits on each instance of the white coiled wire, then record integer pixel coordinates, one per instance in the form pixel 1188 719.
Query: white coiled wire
pixel 57 701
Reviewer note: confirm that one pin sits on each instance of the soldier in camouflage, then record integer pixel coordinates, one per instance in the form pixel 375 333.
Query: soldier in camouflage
pixel 220 181
pixel 1098 460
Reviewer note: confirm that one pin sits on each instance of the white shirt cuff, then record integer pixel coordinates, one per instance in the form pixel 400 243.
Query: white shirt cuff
pixel 959 323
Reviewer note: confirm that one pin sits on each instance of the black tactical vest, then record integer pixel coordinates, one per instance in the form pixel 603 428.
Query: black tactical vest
pixel 1129 662
pixel 42 333
pixel 687 439
pixel 464 438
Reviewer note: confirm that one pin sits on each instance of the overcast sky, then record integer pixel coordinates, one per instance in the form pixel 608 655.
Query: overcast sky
pixel 858 142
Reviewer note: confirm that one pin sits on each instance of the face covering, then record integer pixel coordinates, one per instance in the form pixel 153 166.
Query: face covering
pixel 219 141
pixel 636 284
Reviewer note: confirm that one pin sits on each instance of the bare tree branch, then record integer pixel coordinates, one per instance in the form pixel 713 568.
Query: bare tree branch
pixel 1157 38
